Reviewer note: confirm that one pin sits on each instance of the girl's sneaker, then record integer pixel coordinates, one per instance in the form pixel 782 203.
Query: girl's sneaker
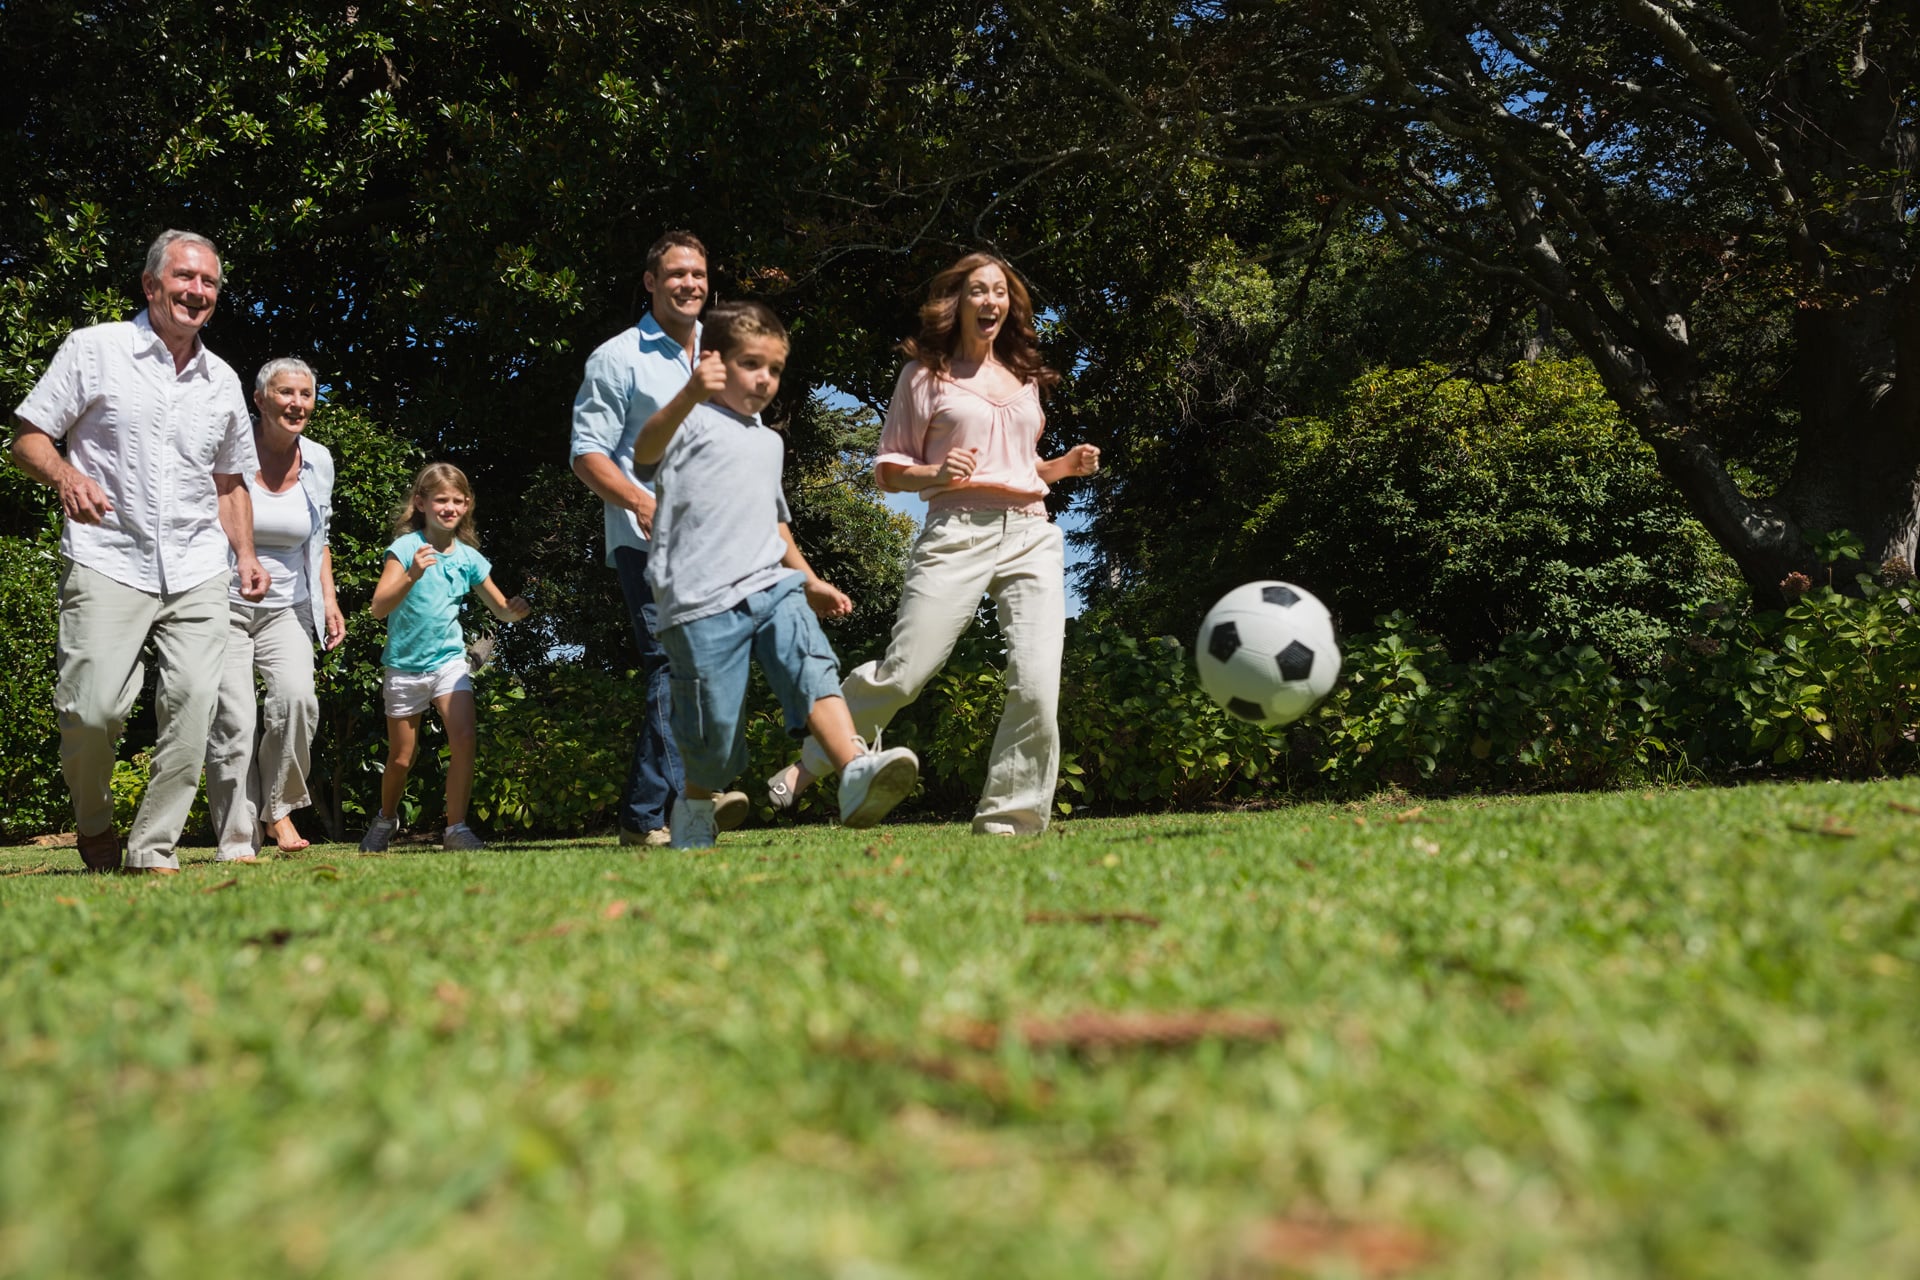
pixel 460 836
pixel 693 824
pixel 379 834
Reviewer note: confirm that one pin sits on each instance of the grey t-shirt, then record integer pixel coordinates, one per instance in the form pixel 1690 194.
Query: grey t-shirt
pixel 716 536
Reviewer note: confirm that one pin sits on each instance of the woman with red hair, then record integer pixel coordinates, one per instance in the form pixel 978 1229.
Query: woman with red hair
pixel 963 431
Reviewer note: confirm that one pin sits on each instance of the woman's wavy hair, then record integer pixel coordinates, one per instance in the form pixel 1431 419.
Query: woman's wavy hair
pixel 429 480
pixel 1016 345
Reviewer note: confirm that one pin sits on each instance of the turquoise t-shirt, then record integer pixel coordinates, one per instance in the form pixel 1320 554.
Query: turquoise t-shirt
pixel 423 634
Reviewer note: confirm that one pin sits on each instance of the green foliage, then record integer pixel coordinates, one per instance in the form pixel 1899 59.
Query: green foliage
pixel 1477 509
pixel 372 470
pixel 552 757
pixel 1829 684
pixel 33 798
pixel 1536 716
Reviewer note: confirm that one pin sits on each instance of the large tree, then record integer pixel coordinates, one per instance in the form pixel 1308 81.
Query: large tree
pixel 445 206
pixel 1714 200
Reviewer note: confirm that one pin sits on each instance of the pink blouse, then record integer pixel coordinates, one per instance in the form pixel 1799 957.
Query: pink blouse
pixel 930 416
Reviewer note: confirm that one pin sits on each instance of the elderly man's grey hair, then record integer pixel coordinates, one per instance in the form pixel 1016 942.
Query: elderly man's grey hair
pixel 157 251
pixel 285 364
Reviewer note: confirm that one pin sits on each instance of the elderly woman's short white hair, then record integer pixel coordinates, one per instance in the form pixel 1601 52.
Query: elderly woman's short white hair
pixel 285 364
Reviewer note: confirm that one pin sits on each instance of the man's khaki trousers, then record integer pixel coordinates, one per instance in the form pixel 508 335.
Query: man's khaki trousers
pixel 104 625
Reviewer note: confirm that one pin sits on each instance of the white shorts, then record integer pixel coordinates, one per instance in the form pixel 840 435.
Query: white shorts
pixel 411 692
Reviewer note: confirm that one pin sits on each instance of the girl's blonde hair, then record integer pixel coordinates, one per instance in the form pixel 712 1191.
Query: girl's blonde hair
pixel 429 480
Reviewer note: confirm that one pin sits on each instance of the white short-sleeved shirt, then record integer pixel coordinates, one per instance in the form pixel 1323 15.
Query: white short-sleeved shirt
pixel 152 439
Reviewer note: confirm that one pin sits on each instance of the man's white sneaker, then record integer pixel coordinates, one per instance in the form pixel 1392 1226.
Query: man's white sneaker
pixel 875 781
pixel 461 836
pixel 379 834
pixel 692 824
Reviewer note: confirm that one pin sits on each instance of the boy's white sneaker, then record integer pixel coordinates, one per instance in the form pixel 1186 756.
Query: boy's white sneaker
pixel 875 781
pixel 379 834
pixel 461 836
pixel 693 824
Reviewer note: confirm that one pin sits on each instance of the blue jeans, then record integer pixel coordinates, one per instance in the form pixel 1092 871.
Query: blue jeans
pixel 655 776
pixel 711 665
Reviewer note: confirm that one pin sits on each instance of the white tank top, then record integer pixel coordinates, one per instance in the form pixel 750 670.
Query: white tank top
pixel 282 523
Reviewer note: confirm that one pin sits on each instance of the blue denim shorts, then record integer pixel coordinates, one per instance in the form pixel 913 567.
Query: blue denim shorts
pixel 711 658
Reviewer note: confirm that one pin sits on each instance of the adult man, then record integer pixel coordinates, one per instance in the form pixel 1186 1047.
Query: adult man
pixel 628 378
pixel 159 446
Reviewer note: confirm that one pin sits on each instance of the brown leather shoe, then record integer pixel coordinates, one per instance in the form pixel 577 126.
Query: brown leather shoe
pixel 101 852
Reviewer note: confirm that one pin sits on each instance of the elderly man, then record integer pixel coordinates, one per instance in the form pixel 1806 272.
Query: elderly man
pixel 158 448
pixel 628 378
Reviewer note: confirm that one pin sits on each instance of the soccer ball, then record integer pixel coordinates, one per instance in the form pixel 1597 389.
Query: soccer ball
pixel 1267 653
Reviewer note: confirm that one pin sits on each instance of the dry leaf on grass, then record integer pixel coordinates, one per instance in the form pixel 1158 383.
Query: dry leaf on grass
pixel 1897 807
pixel 37 869
pixel 1093 917
pixel 1828 827
pixel 224 884
pixel 1374 1250
pixel 64 840
pixel 560 930
pixel 271 938
pixel 1099 1029
pixel 989 1080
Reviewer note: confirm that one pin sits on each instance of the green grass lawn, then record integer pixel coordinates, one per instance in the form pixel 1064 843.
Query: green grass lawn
pixel 1668 1034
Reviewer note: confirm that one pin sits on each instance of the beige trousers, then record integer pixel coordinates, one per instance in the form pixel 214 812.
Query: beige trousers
pixel 257 763
pixel 1020 561
pixel 104 625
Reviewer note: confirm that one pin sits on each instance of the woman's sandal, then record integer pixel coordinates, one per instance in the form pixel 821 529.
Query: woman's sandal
pixel 782 791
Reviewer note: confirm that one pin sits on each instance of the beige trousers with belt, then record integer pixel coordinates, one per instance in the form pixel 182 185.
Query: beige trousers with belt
pixel 1020 561
pixel 104 625
pixel 260 750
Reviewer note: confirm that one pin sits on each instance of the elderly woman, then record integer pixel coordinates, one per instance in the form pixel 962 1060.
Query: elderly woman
pixel 257 765
pixel 963 431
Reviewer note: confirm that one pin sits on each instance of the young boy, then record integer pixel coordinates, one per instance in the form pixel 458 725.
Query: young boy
pixel 730 582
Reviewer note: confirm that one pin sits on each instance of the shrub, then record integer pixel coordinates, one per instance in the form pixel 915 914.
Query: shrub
pixel 1476 509
pixel 33 798
pixel 552 754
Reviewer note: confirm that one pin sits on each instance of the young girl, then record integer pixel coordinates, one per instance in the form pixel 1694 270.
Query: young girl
pixel 731 584
pixel 432 564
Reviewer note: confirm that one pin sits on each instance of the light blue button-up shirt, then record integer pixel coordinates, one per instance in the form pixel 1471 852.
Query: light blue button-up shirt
pixel 628 378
